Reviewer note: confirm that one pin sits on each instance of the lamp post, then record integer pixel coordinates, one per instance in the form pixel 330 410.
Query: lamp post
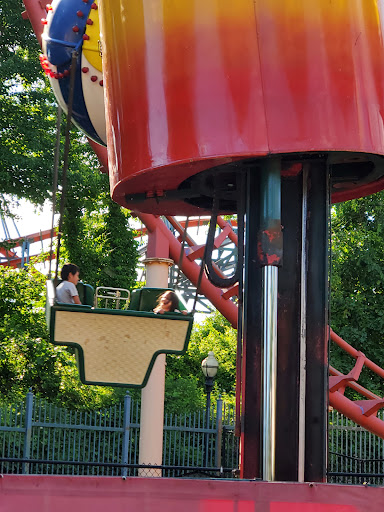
pixel 209 367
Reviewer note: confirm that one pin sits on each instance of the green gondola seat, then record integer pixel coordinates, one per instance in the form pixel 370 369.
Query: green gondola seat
pixel 145 299
pixel 116 347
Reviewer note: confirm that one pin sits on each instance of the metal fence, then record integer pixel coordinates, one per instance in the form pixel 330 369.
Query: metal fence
pixel 356 456
pixel 39 438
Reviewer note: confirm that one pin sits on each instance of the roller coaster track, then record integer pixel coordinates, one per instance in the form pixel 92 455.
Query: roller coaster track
pixel 10 258
pixel 218 297
pixel 363 412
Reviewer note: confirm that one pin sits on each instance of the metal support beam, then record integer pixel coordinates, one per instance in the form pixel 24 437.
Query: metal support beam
pixel 287 439
pixel 270 252
pixel 316 406
pixel 302 338
pixel 250 454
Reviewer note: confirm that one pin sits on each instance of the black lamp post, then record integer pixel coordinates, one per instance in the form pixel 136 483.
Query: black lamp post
pixel 209 367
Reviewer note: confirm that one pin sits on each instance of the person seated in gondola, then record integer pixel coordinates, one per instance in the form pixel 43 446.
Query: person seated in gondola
pixel 168 302
pixel 67 292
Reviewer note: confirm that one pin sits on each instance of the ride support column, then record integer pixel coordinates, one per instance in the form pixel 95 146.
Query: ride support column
pixel 317 324
pixel 152 395
pixel 262 258
pixel 301 430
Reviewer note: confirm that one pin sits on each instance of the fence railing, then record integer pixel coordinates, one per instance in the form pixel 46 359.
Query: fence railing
pixel 39 438
pixel 356 456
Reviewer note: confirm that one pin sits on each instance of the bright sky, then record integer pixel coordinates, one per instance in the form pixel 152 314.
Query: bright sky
pixel 32 220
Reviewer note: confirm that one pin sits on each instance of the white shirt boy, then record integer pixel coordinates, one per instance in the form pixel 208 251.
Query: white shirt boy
pixel 65 292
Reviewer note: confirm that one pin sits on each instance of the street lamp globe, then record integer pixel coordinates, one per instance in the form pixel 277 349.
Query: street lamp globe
pixel 210 365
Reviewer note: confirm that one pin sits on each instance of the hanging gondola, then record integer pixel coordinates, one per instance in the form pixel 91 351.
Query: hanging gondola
pixel 117 347
pixel 114 346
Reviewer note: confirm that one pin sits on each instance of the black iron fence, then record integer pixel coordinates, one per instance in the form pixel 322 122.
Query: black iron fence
pixel 356 456
pixel 39 438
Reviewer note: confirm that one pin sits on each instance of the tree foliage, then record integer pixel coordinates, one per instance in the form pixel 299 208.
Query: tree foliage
pixel 98 239
pixel 27 110
pixel 357 282
pixel 185 380
pixel 96 235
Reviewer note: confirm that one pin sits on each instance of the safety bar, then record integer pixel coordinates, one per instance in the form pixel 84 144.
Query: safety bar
pixel 116 295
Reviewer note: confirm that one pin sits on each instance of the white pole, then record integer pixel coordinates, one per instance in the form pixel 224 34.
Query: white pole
pixel 152 396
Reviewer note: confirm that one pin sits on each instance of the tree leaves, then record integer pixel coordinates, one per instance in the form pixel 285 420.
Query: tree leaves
pixel 216 334
pixel 96 231
pixel 357 281
pixel 100 242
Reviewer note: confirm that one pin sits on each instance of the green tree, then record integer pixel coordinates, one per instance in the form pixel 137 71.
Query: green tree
pixel 27 110
pixel 184 378
pixel 357 282
pixel 100 242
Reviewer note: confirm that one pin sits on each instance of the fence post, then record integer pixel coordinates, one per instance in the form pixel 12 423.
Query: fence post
pixel 28 431
pixel 219 430
pixel 126 431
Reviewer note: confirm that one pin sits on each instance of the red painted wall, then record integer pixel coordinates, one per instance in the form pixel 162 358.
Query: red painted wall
pixel 99 494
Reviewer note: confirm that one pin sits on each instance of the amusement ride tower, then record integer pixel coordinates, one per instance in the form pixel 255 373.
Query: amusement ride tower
pixel 276 106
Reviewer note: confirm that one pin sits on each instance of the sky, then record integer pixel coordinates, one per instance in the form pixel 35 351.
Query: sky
pixel 32 220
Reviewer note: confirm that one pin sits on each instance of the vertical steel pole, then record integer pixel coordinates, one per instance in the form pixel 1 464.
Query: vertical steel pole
pixel 288 336
pixel 28 431
pixel 269 370
pixel 270 240
pixel 303 330
pixel 251 389
pixel 207 418
pixel 316 411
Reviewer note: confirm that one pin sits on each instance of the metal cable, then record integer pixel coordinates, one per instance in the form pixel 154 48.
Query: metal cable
pixel 54 186
pixel 214 278
pixel 239 349
pixel 182 249
pixel 66 154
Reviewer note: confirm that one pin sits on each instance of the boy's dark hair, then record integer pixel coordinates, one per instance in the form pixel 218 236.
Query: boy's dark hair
pixel 69 268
